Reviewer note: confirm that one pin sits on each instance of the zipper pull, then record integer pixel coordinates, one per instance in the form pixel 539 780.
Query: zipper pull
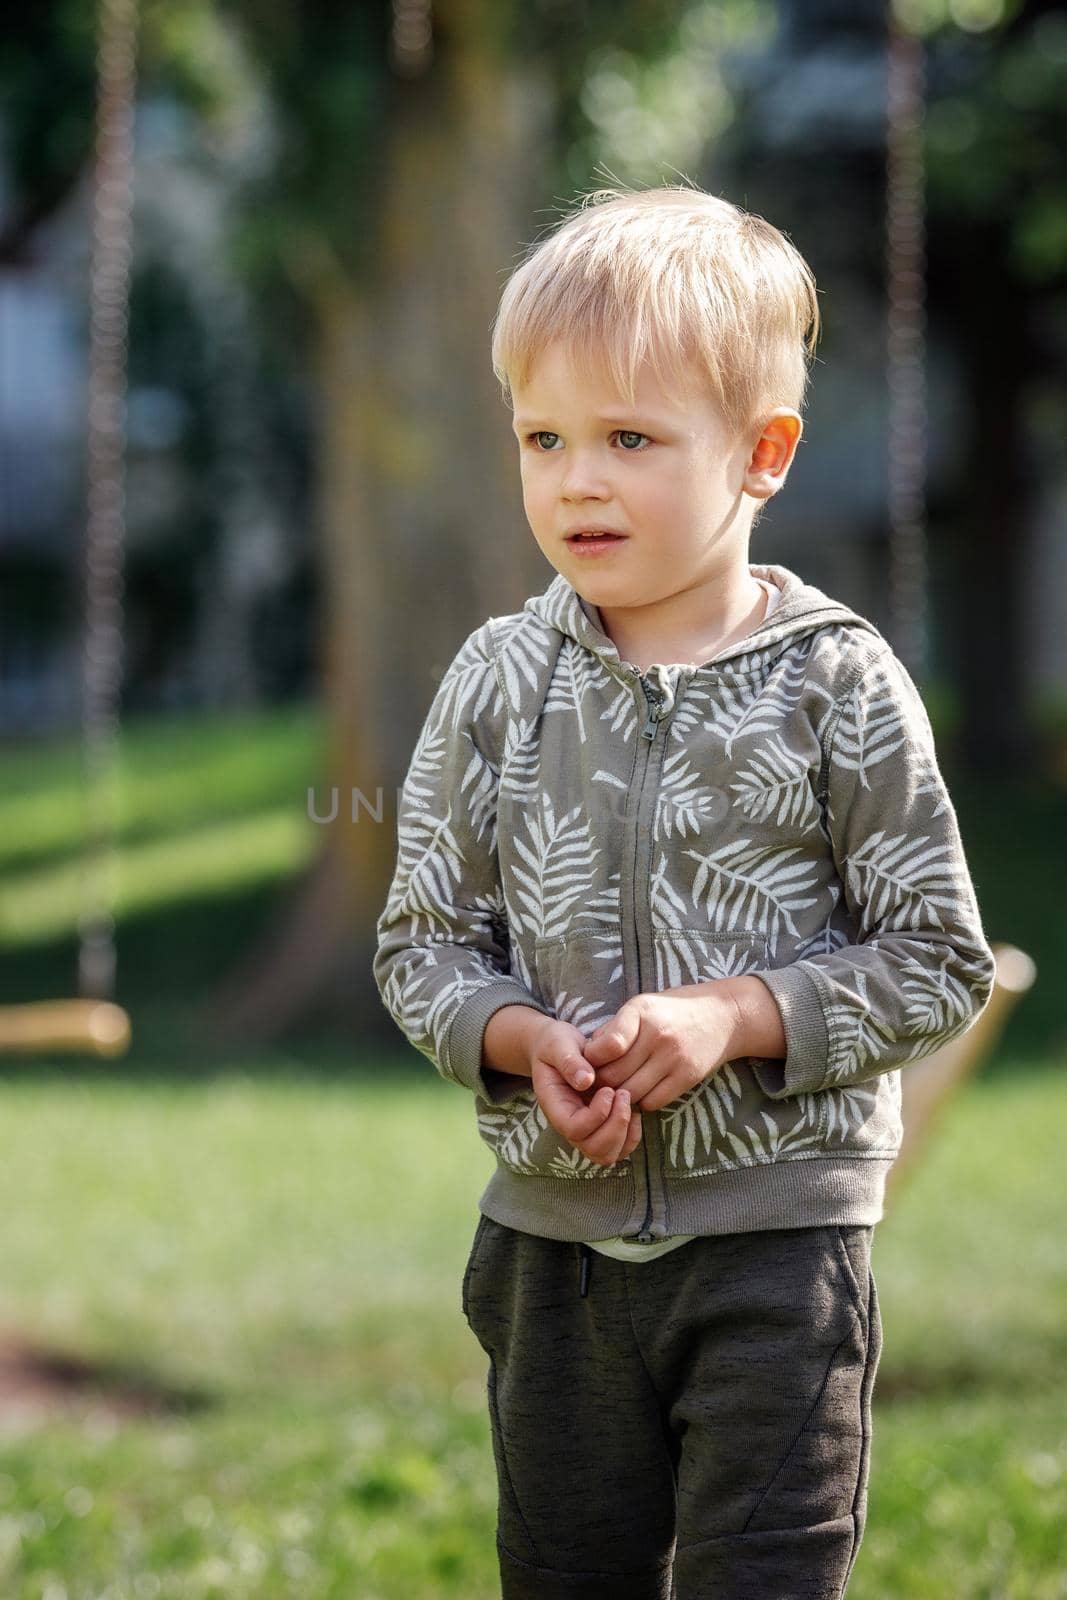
pixel 655 711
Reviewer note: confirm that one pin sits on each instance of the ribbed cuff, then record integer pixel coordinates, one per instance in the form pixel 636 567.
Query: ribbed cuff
pixel 463 1049
pixel 806 1038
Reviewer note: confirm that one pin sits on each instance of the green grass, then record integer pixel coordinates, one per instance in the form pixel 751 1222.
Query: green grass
pixel 280 1261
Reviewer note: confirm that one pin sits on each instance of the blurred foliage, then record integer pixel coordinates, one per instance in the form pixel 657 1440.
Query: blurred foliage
pixel 316 82
pixel 995 139
pixel 294 97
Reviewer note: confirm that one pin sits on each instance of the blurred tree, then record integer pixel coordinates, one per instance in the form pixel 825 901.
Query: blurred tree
pixel 407 181
pixel 997 244
pixel 399 166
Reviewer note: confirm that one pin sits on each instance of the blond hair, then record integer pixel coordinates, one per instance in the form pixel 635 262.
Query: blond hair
pixel 678 277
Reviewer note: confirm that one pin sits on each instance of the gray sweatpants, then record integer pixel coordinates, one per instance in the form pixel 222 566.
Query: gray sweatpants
pixel 696 1427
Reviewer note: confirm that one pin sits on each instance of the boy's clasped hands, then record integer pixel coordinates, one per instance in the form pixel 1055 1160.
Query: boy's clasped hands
pixel 655 1048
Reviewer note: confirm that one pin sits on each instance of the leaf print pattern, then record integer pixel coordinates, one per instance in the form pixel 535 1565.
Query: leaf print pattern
pixel 685 804
pixel 690 1122
pixel 570 1163
pixel 556 880
pixel 846 1111
pixel 901 884
pixel 431 863
pixel 902 870
pixel 513 1134
pixel 755 701
pixel 514 884
pixel 520 772
pixel 524 656
pixel 577 678
pixel 868 734
pixel 857 1037
pixel 580 976
pixel 439 934
pixel 750 888
pixel 689 956
pixel 776 787
pixel 754 1145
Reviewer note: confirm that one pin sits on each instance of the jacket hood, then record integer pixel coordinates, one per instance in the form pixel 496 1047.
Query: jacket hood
pixel 802 609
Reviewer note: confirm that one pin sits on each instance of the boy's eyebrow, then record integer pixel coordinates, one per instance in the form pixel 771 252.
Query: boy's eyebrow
pixel 520 422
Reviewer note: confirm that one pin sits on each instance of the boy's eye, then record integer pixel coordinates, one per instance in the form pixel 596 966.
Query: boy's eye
pixel 628 438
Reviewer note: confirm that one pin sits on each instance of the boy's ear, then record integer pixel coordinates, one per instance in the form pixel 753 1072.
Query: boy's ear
pixel 773 452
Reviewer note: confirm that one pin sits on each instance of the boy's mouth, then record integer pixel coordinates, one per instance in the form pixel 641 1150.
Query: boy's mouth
pixel 596 537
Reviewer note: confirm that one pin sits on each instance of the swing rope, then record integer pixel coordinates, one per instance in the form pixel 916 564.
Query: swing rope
pixel 93 1024
pixel 905 257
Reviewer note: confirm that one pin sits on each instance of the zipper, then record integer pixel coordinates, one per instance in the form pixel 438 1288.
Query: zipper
pixel 654 700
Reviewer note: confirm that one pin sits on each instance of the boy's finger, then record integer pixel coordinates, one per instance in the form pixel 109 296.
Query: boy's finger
pixel 633 1137
pixel 580 1072
pixel 571 1116
pixel 606 1146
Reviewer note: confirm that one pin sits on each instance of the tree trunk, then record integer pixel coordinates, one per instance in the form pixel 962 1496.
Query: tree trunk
pixel 421 526
pixel 992 540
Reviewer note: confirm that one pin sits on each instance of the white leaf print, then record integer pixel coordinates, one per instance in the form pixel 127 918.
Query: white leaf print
pixel 687 1122
pixel 514 1131
pixel 856 1037
pixel 867 732
pixel 684 958
pixel 847 1110
pixel 669 909
pixel 520 767
pixel 577 679
pixel 523 657
pixel 683 801
pixel 430 866
pixel 559 854
pixel 776 785
pixel 898 883
pixel 753 888
pixel 755 699
pixel 570 1163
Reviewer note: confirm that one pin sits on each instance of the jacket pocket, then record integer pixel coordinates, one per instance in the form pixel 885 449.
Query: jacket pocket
pixel 580 975
pixel 853 1248
pixel 727 1121
pixel 465 1288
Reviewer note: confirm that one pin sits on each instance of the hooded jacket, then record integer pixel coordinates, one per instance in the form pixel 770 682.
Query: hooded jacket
pixel 573 832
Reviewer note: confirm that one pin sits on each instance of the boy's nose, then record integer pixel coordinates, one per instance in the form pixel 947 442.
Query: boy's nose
pixel 584 479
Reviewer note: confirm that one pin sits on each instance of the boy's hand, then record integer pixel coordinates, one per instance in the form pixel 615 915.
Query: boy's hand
pixel 662 1044
pixel 602 1128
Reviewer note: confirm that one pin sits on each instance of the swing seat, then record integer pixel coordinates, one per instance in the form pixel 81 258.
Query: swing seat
pixel 84 1027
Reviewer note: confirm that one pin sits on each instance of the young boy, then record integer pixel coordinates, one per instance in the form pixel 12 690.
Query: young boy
pixel 679 892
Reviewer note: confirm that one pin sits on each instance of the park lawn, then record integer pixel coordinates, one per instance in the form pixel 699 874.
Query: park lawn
pixel 281 1255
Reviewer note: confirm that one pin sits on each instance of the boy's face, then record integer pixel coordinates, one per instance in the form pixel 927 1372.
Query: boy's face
pixel 666 474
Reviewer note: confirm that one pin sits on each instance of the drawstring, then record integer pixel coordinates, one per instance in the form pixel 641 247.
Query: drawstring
pixel 585 1256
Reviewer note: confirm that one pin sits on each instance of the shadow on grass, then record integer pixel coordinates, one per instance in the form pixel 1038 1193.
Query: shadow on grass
pixel 34 1377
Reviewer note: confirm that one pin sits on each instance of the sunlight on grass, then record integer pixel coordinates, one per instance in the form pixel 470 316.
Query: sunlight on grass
pixel 172 773
pixel 212 859
pixel 203 805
